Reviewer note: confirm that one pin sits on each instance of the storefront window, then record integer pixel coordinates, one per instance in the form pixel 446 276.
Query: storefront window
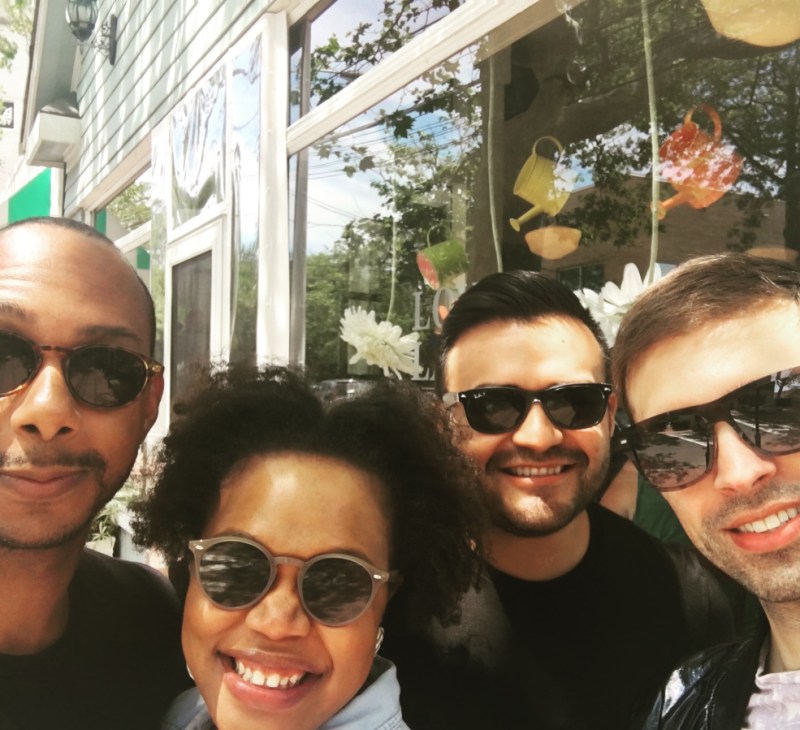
pixel 333 48
pixel 198 150
pixel 590 276
pixel 245 112
pixel 538 150
pixel 158 231
pixel 128 210
pixel 395 181
pixel 191 322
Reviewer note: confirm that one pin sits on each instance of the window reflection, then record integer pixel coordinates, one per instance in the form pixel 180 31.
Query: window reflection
pixel 538 151
pixel 337 45
pixel 198 149
pixel 245 137
pixel 191 322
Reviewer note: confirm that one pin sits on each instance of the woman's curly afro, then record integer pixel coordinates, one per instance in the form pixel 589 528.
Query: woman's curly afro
pixel 394 431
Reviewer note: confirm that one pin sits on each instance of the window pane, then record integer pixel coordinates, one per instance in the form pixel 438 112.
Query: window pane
pixel 198 150
pixel 537 150
pixel 129 210
pixel 347 39
pixel 191 322
pixel 245 133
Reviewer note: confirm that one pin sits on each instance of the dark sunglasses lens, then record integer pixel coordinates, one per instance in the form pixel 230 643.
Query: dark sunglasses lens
pixel 768 418
pixel 672 454
pixel 579 406
pixel 17 362
pixel 106 377
pixel 336 591
pixel 234 574
pixel 495 410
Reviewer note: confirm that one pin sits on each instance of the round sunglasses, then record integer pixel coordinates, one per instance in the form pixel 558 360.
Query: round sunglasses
pixel 100 376
pixel 502 408
pixel 674 450
pixel 334 588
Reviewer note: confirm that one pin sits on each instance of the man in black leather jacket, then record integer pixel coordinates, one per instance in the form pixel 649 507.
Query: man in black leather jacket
pixel 707 363
pixel 711 691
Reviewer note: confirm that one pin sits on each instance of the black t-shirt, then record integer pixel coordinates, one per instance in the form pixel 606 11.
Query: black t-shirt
pixel 574 652
pixel 117 666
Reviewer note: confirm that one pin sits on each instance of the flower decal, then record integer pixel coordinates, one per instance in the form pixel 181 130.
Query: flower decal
pixel 380 343
pixel 610 304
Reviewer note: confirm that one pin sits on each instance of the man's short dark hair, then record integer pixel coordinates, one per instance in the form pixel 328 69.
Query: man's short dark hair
pixel 95 235
pixel 701 291
pixel 393 431
pixel 518 296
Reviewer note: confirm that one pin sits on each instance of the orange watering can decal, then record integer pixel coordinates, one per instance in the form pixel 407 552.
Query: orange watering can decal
pixel 541 185
pixel 700 166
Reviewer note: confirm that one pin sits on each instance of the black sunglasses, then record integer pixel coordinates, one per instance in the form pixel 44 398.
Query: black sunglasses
pixel 100 376
pixel 334 588
pixel 674 450
pixel 501 409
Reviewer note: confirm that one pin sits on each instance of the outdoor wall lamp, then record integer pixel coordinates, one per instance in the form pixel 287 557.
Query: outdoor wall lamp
pixel 82 19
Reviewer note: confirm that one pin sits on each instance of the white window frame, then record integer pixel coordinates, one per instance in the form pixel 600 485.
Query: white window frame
pixel 466 25
pixel 211 237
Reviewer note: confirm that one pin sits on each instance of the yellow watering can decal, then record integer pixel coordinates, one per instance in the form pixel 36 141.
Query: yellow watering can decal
pixel 539 183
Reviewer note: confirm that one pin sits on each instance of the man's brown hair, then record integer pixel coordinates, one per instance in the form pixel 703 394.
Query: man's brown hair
pixel 703 290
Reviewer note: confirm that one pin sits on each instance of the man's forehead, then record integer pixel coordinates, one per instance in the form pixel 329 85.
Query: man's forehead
pixel 26 240
pixel 50 246
pixel 562 337
pixel 48 271
pixel 569 329
pixel 702 365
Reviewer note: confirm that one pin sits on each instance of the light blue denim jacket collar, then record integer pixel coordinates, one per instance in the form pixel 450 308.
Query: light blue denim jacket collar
pixel 376 707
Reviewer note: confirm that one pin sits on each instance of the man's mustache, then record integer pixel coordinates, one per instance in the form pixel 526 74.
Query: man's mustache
pixel 40 459
pixel 518 454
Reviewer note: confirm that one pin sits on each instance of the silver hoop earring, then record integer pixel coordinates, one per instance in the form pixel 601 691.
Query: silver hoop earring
pixel 379 639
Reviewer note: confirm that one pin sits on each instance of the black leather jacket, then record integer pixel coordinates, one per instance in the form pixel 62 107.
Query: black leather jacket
pixel 710 692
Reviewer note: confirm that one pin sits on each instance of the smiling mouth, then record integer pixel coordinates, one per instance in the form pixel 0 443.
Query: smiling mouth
pixel 771 522
pixel 269 678
pixel 532 471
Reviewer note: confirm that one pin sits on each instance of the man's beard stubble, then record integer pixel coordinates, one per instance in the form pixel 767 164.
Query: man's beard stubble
pixel 773 577
pixel 90 460
pixel 522 524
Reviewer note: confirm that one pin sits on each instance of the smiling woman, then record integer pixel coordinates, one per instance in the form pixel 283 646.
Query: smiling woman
pixel 297 527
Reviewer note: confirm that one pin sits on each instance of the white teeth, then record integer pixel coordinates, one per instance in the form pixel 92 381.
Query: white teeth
pixel 530 471
pixel 272 680
pixel 770 522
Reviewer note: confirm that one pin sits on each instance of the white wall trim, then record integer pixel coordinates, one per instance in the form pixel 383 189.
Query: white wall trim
pixel 272 328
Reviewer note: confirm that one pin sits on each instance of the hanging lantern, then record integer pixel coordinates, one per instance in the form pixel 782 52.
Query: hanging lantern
pixel 82 18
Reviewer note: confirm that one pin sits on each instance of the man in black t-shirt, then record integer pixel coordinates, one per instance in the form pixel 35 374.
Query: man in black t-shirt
pixel 85 641
pixel 580 611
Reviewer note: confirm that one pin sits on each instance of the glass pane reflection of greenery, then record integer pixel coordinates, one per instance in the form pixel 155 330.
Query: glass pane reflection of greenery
pixel 396 180
pixel 430 163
